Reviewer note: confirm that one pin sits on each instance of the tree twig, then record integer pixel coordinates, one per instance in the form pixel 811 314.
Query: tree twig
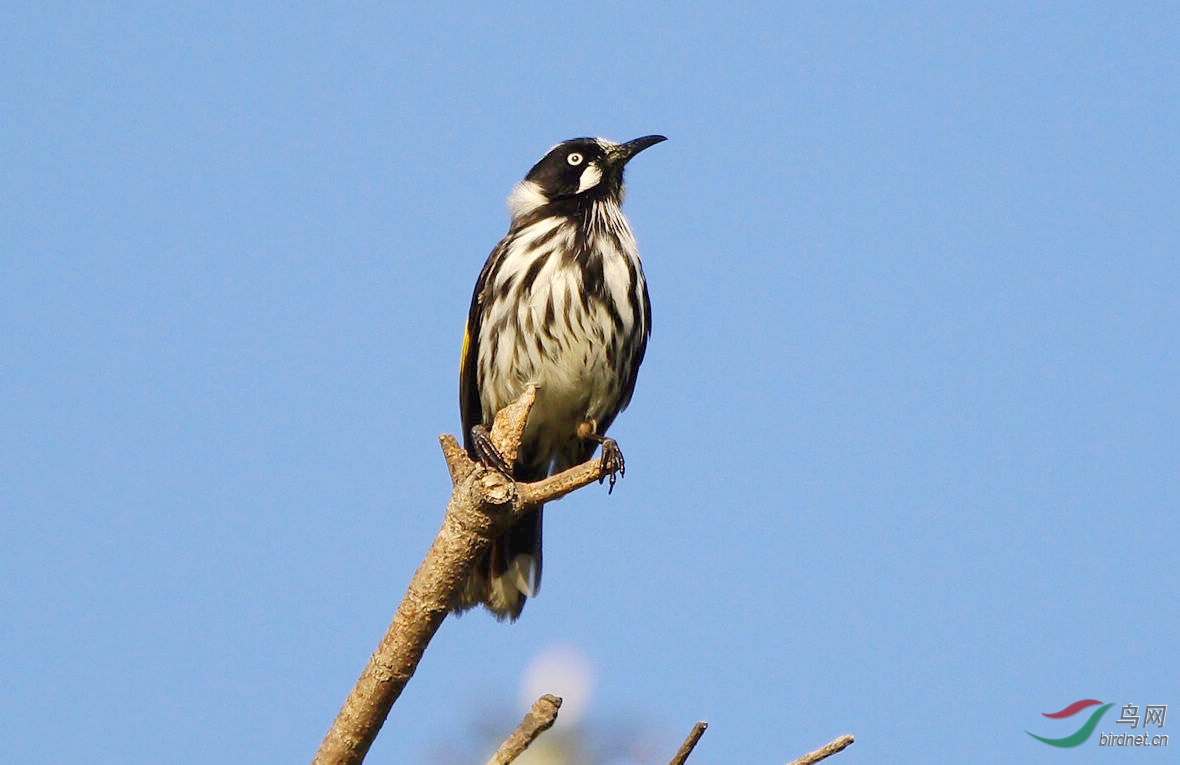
pixel 483 503
pixel 690 742
pixel 536 721
pixel 825 751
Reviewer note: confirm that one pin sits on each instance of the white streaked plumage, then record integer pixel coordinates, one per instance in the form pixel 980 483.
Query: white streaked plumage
pixel 576 377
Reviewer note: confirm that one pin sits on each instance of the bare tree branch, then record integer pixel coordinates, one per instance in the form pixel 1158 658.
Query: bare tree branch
pixel 686 748
pixel 536 721
pixel 483 503
pixel 825 751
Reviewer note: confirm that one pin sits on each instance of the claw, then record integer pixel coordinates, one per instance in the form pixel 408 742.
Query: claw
pixel 613 464
pixel 487 452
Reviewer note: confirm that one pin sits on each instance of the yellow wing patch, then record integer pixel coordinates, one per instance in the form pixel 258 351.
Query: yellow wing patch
pixel 463 353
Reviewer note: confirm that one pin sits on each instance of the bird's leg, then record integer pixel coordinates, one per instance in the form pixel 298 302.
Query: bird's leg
pixel 487 452
pixel 613 466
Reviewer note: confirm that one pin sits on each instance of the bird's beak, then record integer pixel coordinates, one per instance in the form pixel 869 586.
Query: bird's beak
pixel 622 153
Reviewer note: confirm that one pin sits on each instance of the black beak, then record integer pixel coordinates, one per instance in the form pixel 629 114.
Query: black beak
pixel 622 153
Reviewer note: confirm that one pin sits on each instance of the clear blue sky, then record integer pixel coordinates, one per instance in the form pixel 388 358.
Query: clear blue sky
pixel 903 457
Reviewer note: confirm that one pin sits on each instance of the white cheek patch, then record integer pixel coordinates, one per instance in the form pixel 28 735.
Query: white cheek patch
pixel 591 177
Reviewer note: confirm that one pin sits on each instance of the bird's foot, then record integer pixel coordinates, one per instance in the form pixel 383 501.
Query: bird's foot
pixel 612 466
pixel 487 452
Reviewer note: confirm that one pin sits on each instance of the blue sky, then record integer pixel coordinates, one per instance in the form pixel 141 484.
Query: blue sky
pixel 902 459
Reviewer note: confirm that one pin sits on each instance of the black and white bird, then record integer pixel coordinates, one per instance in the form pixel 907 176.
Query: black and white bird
pixel 561 304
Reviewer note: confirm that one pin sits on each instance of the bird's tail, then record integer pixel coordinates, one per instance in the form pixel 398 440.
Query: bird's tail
pixel 510 571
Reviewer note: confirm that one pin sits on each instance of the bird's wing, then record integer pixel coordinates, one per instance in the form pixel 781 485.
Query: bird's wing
pixel 636 361
pixel 470 408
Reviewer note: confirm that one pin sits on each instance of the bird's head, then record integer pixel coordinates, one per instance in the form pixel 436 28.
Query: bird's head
pixel 581 166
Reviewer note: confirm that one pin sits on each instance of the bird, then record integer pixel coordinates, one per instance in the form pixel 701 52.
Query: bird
pixel 562 304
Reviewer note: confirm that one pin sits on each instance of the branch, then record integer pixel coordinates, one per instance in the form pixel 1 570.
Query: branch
pixel 825 751
pixel 483 503
pixel 538 720
pixel 686 748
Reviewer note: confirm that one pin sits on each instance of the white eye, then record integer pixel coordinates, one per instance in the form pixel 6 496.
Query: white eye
pixel 574 159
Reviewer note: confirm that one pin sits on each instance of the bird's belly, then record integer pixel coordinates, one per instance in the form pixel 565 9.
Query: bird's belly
pixel 570 390
pixel 575 383
pixel 572 384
